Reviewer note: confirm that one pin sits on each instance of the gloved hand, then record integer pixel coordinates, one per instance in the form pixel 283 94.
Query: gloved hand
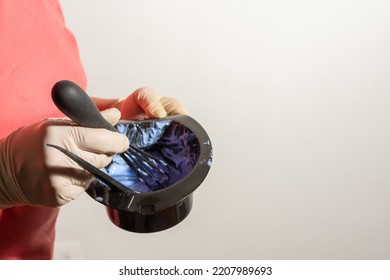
pixel 32 173
pixel 145 102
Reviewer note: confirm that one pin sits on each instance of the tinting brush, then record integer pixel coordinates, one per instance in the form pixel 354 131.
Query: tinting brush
pixel 74 102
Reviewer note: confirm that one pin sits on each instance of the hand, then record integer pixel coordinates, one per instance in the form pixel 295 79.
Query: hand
pixel 145 102
pixel 32 173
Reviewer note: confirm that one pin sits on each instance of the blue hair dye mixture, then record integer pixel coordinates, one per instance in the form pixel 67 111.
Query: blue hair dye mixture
pixel 167 140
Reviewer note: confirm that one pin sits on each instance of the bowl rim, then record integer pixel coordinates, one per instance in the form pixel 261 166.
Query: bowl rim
pixel 152 202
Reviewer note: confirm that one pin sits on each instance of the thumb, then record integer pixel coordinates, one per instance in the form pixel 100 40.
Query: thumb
pixel 111 115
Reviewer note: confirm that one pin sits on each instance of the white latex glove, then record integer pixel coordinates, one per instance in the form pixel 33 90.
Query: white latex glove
pixel 32 173
pixel 145 102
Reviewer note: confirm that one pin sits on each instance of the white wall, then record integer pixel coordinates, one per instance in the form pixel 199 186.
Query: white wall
pixel 295 96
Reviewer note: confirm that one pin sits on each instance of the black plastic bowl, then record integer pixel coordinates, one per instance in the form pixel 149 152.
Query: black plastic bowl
pixel 185 146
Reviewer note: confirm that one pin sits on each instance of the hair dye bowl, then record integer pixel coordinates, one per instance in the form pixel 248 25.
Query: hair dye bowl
pixel 157 204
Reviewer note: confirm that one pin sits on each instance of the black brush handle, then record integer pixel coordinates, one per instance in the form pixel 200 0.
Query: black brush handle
pixel 75 103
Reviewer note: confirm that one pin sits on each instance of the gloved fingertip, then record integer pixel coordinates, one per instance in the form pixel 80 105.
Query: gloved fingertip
pixel 161 114
pixel 112 115
pixel 156 110
pixel 126 144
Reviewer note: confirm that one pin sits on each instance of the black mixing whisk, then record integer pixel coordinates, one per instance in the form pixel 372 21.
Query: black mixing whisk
pixel 75 103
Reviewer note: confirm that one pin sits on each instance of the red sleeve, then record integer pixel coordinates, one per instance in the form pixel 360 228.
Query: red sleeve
pixel 36 50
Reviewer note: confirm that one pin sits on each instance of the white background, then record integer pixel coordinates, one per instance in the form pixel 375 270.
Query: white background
pixel 295 96
pixel 198 269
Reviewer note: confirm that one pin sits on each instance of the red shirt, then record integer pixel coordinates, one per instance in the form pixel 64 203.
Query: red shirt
pixel 36 50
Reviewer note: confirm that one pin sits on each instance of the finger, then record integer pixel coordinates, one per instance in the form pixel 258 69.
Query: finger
pixel 69 179
pixel 72 187
pixel 149 101
pixel 98 160
pixel 67 182
pixel 60 162
pixel 173 106
pixel 111 115
pixel 76 180
pixel 101 141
